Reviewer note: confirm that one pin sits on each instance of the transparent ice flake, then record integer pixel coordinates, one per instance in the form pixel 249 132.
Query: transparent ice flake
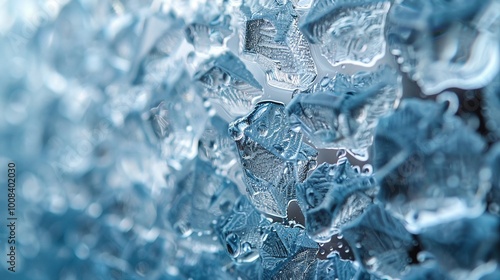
pixel 271 37
pixel 210 27
pixel 228 83
pixel 273 156
pixel 199 199
pixel 348 32
pixel 240 231
pixel 333 195
pixel 443 44
pixel 178 119
pixel 287 252
pixel 343 112
pixel 427 175
pixel 380 242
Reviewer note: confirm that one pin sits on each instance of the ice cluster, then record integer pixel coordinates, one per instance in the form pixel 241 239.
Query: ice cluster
pixel 250 139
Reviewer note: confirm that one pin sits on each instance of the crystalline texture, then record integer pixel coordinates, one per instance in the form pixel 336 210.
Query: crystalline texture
pixel 380 242
pixel 443 44
pixel 427 173
pixel 343 112
pixel 199 199
pixel 209 27
pixel 336 268
pixel 271 38
pixel 239 231
pixel 287 253
pixel 274 157
pixel 347 31
pixel 333 195
pixel 229 83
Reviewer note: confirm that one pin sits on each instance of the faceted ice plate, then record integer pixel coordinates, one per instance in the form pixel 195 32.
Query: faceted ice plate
pixel 273 156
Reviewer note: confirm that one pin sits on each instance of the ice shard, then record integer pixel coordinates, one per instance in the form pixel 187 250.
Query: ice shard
pixel 380 242
pixel 210 27
pixel 333 195
pixel 199 199
pixel 240 231
pixel 287 253
pixel 336 268
pixel 271 38
pixel 178 118
pixel 348 32
pixel 228 83
pixel 343 112
pixel 442 44
pixel 273 156
pixel 427 175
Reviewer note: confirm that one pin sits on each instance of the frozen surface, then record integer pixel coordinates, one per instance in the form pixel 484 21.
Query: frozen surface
pixel 229 83
pixel 271 37
pixel 333 195
pixel 342 112
pixel 348 32
pixel 141 151
pixel 273 156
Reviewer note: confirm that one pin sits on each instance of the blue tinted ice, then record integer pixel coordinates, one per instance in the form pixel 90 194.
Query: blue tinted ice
pixel 273 156
pixel 228 83
pixel 380 242
pixel 287 253
pixel 210 26
pixel 178 118
pixel 199 199
pixel 348 31
pixel 336 268
pixel 427 175
pixel 333 195
pixel 271 37
pixel 239 231
pixel 343 112
pixel 443 44
pixel 463 244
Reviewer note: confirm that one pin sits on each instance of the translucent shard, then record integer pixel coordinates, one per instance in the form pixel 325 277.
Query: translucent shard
pixel 199 199
pixel 217 147
pixel 178 120
pixel 334 268
pixel 426 174
pixel 271 38
pixel 240 231
pixel 228 83
pixel 273 156
pixel 463 244
pixel 442 44
pixel 343 112
pixel 209 27
pixel 348 32
pixel 287 252
pixel 333 195
pixel 380 242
